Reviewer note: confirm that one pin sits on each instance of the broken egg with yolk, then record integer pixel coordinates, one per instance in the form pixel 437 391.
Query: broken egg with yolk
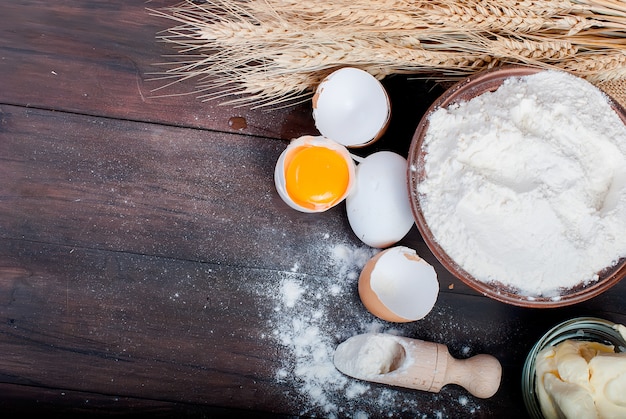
pixel 314 174
pixel 396 285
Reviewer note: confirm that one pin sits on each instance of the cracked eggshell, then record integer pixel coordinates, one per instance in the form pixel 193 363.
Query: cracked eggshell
pixel 351 107
pixel 378 208
pixel 398 286
pixel 281 179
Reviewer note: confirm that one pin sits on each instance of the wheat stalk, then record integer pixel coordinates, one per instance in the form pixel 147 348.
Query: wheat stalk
pixel 268 52
pixel 597 67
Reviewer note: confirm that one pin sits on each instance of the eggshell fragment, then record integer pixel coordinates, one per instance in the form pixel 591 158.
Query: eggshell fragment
pixel 398 286
pixel 378 209
pixel 351 107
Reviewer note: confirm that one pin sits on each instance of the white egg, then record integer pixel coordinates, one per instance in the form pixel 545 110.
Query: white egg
pixel 313 174
pixel 378 208
pixel 351 107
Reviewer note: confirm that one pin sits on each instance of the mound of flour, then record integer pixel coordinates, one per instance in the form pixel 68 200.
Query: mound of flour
pixel 527 185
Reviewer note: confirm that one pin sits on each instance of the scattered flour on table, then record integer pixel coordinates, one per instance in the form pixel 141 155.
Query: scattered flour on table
pixel 305 324
pixel 290 292
pixel 527 185
pixel 301 324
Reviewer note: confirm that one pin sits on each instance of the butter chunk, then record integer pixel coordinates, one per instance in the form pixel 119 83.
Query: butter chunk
pixel 570 400
pixel 580 379
pixel 608 378
pixel 571 364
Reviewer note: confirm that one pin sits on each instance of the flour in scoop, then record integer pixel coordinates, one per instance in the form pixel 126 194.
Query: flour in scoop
pixel 526 185
pixel 369 355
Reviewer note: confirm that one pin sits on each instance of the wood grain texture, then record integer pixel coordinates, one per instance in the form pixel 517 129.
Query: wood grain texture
pixel 98 58
pixel 143 244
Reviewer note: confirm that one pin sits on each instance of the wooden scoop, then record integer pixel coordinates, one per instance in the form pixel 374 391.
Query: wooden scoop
pixel 416 364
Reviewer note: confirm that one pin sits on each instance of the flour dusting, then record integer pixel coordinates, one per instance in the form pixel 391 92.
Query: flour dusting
pixel 290 292
pixel 303 327
pixel 305 324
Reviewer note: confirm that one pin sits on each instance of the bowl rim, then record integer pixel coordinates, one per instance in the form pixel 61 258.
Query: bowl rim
pixel 484 81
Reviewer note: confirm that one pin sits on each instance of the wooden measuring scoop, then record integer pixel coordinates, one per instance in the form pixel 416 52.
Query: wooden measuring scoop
pixel 412 363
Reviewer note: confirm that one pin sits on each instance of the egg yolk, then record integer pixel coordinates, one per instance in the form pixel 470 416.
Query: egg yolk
pixel 316 176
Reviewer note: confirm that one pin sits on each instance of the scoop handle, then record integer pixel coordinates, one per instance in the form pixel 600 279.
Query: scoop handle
pixel 480 374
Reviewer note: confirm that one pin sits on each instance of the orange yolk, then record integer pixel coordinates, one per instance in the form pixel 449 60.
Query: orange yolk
pixel 316 176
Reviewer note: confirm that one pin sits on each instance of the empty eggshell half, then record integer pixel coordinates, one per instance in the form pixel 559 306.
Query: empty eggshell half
pixel 378 208
pixel 351 106
pixel 398 286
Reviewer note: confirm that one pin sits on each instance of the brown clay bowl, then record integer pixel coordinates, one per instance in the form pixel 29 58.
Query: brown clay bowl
pixel 462 91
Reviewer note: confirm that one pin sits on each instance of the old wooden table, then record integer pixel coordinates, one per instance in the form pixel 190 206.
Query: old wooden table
pixel 147 264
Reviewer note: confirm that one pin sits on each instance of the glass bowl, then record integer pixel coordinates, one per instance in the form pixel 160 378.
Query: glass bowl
pixel 475 85
pixel 580 328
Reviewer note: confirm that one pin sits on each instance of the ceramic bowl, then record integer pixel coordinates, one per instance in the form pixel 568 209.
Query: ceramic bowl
pixel 465 90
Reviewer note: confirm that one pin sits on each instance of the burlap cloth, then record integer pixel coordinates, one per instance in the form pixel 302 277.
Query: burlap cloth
pixel 616 89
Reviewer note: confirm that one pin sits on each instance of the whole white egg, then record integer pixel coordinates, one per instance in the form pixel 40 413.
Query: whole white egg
pixel 351 107
pixel 378 207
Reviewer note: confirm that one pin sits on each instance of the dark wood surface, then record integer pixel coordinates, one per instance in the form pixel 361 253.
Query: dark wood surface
pixel 142 241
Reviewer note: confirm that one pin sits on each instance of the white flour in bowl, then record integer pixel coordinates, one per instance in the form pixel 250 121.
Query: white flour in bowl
pixel 527 185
